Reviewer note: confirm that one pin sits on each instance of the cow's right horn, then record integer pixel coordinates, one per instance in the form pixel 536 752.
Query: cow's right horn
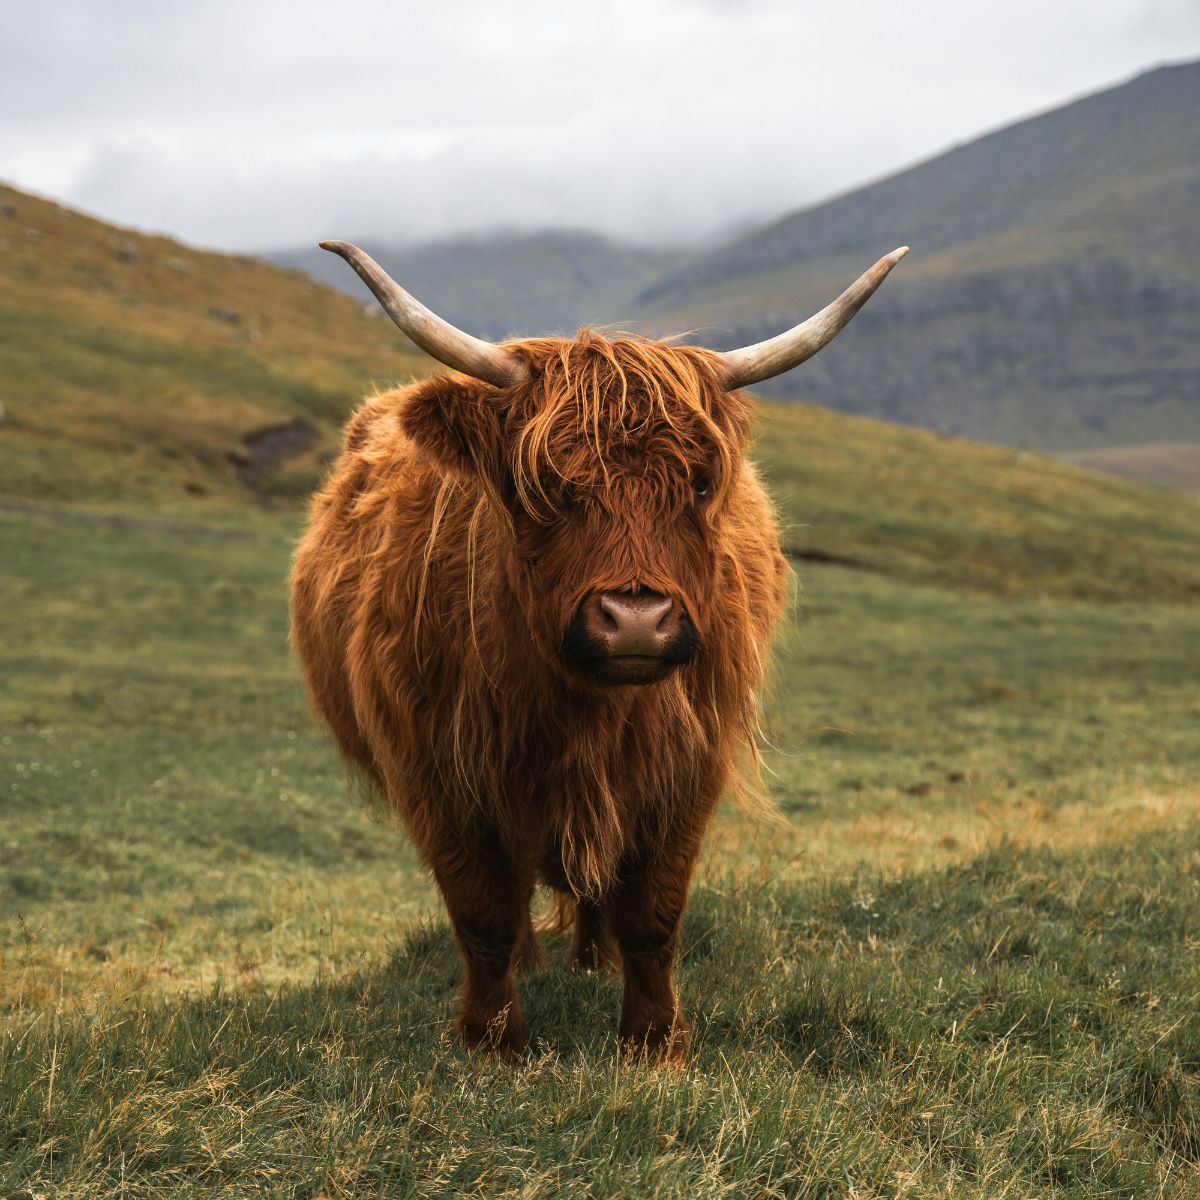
pixel 764 360
pixel 438 338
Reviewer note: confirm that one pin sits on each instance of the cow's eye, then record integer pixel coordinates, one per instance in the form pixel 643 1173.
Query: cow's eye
pixel 702 486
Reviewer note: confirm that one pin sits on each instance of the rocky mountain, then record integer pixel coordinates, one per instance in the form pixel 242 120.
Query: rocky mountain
pixel 1053 292
pixel 1052 297
pixel 505 284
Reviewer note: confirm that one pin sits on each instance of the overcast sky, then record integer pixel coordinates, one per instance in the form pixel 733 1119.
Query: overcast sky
pixel 255 125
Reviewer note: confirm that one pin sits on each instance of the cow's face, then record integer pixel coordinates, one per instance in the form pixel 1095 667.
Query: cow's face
pixel 613 467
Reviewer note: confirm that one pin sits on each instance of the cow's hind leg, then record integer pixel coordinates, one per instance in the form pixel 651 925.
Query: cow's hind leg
pixel 489 908
pixel 527 953
pixel 592 944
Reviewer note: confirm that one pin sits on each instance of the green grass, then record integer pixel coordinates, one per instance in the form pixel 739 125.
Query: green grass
pixel 963 963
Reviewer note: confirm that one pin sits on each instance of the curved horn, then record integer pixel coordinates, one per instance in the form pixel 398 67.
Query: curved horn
pixel 438 338
pixel 753 364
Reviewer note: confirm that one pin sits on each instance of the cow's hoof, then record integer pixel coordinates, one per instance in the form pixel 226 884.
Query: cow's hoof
pixel 659 1044
pixel 504 1036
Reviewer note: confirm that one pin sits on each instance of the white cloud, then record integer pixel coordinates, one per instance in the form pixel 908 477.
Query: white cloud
pixel 258 124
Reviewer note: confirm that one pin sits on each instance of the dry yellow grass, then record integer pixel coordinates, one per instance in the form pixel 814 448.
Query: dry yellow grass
pixel 134 366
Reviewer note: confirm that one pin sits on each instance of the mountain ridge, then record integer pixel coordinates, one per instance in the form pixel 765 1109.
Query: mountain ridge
pixel 1052 298
pixel 1053 293
pixel 869 219
pixel 503 284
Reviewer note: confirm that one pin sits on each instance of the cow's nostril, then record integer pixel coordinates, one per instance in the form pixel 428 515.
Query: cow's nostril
pixel 611 610
pixel 664 613
pixel 607 619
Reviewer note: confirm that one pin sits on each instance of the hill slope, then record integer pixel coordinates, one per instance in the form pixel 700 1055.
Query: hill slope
pixel 133 366
pixel 506 285
pixel 135 371
pixel 1053 295
pixel 925 507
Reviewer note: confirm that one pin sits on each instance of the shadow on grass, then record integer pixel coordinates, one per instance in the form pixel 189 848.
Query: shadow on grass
pixel 886 992
pixel 723 943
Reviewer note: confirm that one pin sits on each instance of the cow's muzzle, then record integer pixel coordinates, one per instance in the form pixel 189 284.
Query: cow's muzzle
pixel 630 637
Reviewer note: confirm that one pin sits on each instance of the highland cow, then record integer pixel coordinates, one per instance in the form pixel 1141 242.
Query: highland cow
pixel 534 603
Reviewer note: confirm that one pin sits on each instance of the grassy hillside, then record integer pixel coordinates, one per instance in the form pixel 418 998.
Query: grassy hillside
pixel 924 507
pixel 133 367
pixel 138 372
pixel 961 963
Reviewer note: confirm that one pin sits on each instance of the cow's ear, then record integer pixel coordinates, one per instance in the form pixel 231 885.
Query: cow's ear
pixel 459 421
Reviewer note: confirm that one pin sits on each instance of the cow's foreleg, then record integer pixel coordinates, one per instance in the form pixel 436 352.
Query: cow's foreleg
pixel 489 908
pixel 645 912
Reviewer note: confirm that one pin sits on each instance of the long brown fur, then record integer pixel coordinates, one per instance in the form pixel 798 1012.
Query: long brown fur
pixel 458 534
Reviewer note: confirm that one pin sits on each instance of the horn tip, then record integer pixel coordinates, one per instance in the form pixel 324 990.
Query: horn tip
pixel 897 254
pixel 335 247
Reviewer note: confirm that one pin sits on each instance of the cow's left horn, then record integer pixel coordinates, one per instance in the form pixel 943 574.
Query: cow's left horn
pixel 763 360
pixel 438 338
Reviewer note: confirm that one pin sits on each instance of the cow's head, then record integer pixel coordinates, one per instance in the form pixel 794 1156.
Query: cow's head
pixel 614 462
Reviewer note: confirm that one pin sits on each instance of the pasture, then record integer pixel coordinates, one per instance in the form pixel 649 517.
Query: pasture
pixel 962 961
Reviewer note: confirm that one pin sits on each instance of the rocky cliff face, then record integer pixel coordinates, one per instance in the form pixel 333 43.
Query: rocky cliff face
pixel 1093 352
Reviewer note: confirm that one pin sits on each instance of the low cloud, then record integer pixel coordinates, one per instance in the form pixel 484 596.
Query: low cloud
pixel 269 125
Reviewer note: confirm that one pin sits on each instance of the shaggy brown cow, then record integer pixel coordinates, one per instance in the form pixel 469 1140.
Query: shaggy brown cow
pixel 534 603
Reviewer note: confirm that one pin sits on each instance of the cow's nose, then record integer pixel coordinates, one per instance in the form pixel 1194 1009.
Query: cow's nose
pixel 644 624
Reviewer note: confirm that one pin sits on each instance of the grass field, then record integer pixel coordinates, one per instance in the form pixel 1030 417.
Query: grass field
pixel 964 963
pixel 961 962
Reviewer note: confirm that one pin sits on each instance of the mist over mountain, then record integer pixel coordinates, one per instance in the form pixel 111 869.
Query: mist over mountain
pixel 1053 292
pixel 500 284
pixel 1052 297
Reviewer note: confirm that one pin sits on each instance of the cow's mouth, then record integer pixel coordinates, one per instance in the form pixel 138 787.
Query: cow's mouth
pixel 630 669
